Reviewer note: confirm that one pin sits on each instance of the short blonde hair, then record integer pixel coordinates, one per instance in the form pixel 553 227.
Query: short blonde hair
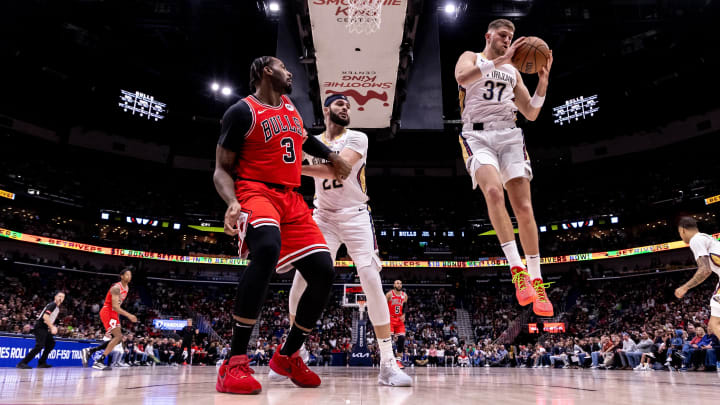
pixel 499 23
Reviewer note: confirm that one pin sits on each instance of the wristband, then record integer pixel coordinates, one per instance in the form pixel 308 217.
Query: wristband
pixel 537 101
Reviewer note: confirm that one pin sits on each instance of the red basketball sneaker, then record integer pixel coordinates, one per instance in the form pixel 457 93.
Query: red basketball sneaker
pixel 523 290
pixel 541 304
pixel 236 377
pixel 294 367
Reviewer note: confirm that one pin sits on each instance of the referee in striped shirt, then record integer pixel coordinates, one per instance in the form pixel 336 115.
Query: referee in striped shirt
pixel 44 331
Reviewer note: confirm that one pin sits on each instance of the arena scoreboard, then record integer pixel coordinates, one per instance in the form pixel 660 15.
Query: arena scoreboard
pixel 576 109
pixel 142 104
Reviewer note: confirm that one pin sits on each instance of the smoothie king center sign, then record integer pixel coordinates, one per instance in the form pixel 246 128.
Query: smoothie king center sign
pixel 361 66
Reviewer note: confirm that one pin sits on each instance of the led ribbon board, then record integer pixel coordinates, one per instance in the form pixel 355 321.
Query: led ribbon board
pixel 229 261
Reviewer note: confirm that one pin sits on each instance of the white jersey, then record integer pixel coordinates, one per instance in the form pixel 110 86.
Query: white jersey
pixel 491 98
pixel 335 195
pixel 703 244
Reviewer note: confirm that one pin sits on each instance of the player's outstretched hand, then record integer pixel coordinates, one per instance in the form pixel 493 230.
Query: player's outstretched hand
pixel 132 318
pixel 680 292
pixel 231 217
pixel 511 51
pixel 544 72
pixel 341 167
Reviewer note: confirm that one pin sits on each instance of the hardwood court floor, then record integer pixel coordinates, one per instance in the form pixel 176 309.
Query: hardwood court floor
pixel 355 386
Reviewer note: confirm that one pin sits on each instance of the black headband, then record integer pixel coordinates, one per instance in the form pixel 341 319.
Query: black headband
pixel 334 97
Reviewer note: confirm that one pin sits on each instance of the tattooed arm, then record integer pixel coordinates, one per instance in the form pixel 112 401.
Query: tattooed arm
pixel 702 273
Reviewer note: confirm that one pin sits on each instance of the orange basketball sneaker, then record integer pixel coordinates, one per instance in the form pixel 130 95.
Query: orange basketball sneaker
pixel 523 289
pixel 541 305
pixel 235 377
pixel 294 367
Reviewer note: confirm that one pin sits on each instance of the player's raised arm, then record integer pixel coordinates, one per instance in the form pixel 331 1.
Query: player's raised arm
pixel 467 71
pixel 528 106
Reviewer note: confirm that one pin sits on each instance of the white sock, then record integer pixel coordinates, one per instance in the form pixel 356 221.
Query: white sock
pixel 386 350
pixel 511 253
pixel 533 266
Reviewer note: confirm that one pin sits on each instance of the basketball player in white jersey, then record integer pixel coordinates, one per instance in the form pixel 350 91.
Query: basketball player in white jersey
pixel 343 216
pixel 706 250
pixel 491 94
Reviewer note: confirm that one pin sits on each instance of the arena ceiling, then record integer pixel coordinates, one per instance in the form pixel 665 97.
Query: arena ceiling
pixel 65 61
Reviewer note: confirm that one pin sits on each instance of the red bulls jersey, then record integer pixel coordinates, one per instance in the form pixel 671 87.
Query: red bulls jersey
pixel 396 303
pixel 123 295
pixel 268 140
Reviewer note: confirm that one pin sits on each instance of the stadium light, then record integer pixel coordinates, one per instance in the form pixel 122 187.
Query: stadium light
pixel 104 215
pixel 450 8
pixel 226 91
pixel 274 7
pixel 215 86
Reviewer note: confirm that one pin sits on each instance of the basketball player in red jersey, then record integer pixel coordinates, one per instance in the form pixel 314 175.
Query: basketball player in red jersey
pixel 109 314
pixel 258 165
pixel 396 300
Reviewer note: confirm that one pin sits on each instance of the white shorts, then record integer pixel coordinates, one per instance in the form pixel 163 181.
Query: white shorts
pixel 502 148
pixel 714 304
pixel 354 228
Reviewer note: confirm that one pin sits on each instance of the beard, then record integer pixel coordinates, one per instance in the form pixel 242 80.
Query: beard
pixel 397 289
pixel 340 121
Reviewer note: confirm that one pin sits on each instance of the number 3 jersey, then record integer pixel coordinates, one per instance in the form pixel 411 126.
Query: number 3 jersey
pixel 267 139
pixel 490 98
pixel 335 195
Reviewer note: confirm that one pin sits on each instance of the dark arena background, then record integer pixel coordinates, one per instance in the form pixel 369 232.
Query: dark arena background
pixel 109 120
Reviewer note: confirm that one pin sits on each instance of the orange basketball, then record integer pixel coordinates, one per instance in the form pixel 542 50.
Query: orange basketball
pixel 531 56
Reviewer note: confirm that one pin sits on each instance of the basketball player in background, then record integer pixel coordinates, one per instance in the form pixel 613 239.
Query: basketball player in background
pixel 491 93
pixel 396 299
pixel 110 316
pixel 44 330
pixel 342 214
pixel 258 165
pixel 706 250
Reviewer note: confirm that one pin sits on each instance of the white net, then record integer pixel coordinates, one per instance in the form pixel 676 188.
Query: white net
pixel 364 16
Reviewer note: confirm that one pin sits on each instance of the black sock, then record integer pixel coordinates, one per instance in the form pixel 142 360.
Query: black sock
pixel 100 347
pixel 240 338
pixel 400 345
pixel 294 341
pixel 101 360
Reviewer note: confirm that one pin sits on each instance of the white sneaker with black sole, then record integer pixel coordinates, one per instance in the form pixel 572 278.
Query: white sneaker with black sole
pixel 101 366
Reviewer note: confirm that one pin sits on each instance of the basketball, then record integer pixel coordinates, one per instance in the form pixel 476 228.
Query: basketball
pixel 531 56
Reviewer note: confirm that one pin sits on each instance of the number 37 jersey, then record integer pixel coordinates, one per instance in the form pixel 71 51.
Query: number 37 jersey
pixel 490 98
pixel 267 139
pixel 335 195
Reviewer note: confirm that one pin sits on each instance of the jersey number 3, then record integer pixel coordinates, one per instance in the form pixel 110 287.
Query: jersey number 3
pixel 289 145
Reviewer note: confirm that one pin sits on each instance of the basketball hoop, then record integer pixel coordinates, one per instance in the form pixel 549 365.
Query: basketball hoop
pixel 361 305
pixel 364 16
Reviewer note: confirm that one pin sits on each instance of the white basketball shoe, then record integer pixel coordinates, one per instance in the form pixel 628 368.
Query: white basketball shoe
pixel 390 374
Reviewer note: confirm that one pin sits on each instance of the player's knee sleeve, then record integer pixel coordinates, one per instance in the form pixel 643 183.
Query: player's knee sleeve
pixel 376 301
pixel 298 287
pixel 319 273
pixel 264 245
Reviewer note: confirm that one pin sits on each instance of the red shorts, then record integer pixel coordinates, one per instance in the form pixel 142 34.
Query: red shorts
pixel 110 319
pixel 397 327
pixel 285 209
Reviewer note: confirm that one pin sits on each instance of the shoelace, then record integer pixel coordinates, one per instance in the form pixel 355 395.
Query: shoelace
pixel 299 363
pixel 540 291
pixel 517 279
pixel 244 367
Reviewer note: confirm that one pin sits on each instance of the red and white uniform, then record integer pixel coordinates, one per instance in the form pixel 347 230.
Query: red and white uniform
pixel 396 303
pixel 110 318
pixel 268 142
